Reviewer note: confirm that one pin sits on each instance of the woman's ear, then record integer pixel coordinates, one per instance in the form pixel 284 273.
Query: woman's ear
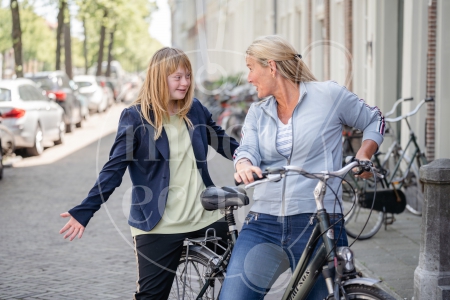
pixel 273 67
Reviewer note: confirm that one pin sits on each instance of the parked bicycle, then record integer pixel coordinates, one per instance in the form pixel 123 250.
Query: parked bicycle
pixel 201 269
pixel 399 189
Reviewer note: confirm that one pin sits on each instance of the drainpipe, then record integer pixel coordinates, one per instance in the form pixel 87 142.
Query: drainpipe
pixel 348 20
pixel 326 47
pixel 431 81
pixel 309 34
pixel 275 16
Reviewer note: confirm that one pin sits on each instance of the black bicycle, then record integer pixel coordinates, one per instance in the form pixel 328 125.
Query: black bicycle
pixel 399 189
pixel 201 270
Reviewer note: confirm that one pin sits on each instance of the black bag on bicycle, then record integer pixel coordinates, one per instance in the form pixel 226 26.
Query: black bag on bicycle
pixel 388 201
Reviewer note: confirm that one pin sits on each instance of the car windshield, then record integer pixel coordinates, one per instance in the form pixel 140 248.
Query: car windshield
pixel 46 83
pixel 5 95
pixel 83 84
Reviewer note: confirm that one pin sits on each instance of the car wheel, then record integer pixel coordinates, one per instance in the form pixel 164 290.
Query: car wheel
pixel 62 133
pixel 78 125
pixel 70 127
pixel 38 147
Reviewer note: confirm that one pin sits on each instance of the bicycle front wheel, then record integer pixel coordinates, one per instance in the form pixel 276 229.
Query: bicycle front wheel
pixel 190 278
pixel 359 291
pixel 357 215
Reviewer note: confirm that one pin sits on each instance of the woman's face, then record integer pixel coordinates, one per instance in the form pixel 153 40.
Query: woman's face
pixel 260 77
pixel 179 83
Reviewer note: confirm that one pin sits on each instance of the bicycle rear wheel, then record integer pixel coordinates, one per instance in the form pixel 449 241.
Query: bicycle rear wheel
pixel 356 215
pixel 190 278
pixel 410 183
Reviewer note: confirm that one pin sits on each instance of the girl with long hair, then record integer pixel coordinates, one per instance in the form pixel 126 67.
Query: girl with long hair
pixel 163 140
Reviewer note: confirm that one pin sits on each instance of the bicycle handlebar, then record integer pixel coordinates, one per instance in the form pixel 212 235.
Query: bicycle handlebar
pixel 396 104
pixel 411 113
pixel 275 174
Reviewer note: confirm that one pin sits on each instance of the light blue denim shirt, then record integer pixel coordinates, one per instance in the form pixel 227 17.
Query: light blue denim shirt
pixel 322 109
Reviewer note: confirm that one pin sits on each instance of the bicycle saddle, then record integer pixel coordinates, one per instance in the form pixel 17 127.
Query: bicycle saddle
pixel 214 198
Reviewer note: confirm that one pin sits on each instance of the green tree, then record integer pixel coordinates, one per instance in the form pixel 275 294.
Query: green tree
pixel 17 37
pixel 126 24
pixel 38 38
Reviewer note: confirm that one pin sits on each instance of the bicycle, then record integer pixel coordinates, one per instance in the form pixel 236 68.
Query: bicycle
pixel 399 189
pixel 209 268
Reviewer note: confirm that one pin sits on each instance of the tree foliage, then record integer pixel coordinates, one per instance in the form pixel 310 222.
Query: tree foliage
pixel 37 36
pixel 129 20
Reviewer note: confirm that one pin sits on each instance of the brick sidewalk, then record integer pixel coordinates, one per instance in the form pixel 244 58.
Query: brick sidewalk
pixel 392 255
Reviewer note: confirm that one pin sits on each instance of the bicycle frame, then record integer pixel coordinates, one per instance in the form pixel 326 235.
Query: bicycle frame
pixel 306 275
pixel 416 154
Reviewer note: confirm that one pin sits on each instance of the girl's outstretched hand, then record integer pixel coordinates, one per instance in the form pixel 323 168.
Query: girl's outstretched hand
pixel 72 227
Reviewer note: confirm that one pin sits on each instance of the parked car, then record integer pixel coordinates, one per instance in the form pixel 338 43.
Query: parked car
pixel 59 87
pixel 96 94
pixel 108 88
pixel 30 115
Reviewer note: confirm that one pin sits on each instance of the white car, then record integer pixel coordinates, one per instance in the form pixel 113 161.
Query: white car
pixel 30 115
pixel 97 97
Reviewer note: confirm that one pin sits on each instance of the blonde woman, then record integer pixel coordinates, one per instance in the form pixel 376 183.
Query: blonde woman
pixel 163 140
pixel 298 123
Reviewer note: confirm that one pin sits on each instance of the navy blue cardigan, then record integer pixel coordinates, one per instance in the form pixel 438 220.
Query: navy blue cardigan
pixel 148 164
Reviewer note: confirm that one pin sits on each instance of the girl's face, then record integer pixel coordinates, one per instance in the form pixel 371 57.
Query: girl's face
pixel 179 83
pixel 260 77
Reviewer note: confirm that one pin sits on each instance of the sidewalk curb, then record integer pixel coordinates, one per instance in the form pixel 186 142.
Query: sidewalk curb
pixel 368 273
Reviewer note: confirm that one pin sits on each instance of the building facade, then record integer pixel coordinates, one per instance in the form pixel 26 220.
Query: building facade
pixel 381 50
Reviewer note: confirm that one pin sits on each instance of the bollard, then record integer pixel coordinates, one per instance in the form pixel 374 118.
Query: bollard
pixel 432 276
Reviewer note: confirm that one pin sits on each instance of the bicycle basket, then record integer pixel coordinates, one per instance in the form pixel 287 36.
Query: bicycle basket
pixel 390 201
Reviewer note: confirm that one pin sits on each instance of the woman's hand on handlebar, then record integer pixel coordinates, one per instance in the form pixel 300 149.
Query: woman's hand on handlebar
pixel 368 148
pixel 244 172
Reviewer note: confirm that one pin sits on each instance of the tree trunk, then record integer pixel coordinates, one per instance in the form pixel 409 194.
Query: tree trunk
pixel 100 49
pixel 110 46
pixel 59 32
pixel 85 54
pixel 68 46
pixel 17 37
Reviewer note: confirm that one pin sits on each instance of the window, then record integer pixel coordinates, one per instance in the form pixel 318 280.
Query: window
pixel 83 83
pixel 25 93
pixel 30 93
pixel 5 95
pixel 36 93
pixel 65 81
pixel 45 83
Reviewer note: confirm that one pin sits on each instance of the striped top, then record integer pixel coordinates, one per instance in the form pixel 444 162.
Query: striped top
pixel 284 138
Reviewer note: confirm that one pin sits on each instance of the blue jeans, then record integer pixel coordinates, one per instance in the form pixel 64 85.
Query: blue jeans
pixel 267 246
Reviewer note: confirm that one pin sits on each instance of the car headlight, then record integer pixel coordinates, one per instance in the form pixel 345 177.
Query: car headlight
pixel 346 255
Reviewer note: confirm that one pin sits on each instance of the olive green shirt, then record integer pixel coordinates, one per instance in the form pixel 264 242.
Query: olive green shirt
pixel 184 211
